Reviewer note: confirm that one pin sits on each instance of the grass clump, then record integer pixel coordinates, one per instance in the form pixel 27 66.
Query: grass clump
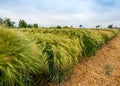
pixel 59 54
pixel 18 58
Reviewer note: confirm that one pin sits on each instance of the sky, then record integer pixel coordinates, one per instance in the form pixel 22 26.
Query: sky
pixel 88 13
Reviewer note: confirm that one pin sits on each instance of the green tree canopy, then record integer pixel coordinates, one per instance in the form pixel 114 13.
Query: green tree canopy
pixel 35 25
pixel 59 27
pixel 29 26
pixel 98 26
pixel 66 27
pixel 110 26
pixel 8 23
pixel 1 21
pixel 22 24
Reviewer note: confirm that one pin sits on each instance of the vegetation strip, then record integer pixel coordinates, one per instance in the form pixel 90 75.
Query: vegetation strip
pixel 29 54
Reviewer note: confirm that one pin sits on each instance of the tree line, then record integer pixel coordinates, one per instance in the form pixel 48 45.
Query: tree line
pixel 109 26
pixel 7 22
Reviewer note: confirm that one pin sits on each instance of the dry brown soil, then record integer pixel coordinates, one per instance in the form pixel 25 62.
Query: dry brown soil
pixel 103 69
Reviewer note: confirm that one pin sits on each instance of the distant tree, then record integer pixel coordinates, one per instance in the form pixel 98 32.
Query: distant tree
pixel 52 27
pixel 71 26
pixel 98 26
pixel 13 24
pixel 110 26
pixel 29 26
pixel 65 27
pixel 35 25
pixel 1 21
pixel 59 27
pixel 22 24
pixel 8 23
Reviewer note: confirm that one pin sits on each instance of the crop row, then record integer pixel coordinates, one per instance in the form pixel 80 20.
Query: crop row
pixel 28 56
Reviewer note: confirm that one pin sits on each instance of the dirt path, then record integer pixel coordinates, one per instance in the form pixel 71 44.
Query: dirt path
pixel 103 69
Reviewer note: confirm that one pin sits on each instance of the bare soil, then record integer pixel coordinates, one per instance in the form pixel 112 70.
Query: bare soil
pixel 103 69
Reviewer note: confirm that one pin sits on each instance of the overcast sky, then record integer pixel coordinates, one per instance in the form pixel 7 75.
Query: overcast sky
pixel 89 13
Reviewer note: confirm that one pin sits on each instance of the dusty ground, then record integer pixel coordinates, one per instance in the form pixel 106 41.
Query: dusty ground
pixel 103 69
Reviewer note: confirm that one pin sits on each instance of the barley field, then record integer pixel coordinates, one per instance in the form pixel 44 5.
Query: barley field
pixel 32 56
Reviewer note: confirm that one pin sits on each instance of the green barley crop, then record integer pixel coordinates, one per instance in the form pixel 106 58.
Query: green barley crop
pixel 26 54
pixel 18 58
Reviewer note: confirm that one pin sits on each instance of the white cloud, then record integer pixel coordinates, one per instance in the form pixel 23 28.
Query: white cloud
pixel 62 12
